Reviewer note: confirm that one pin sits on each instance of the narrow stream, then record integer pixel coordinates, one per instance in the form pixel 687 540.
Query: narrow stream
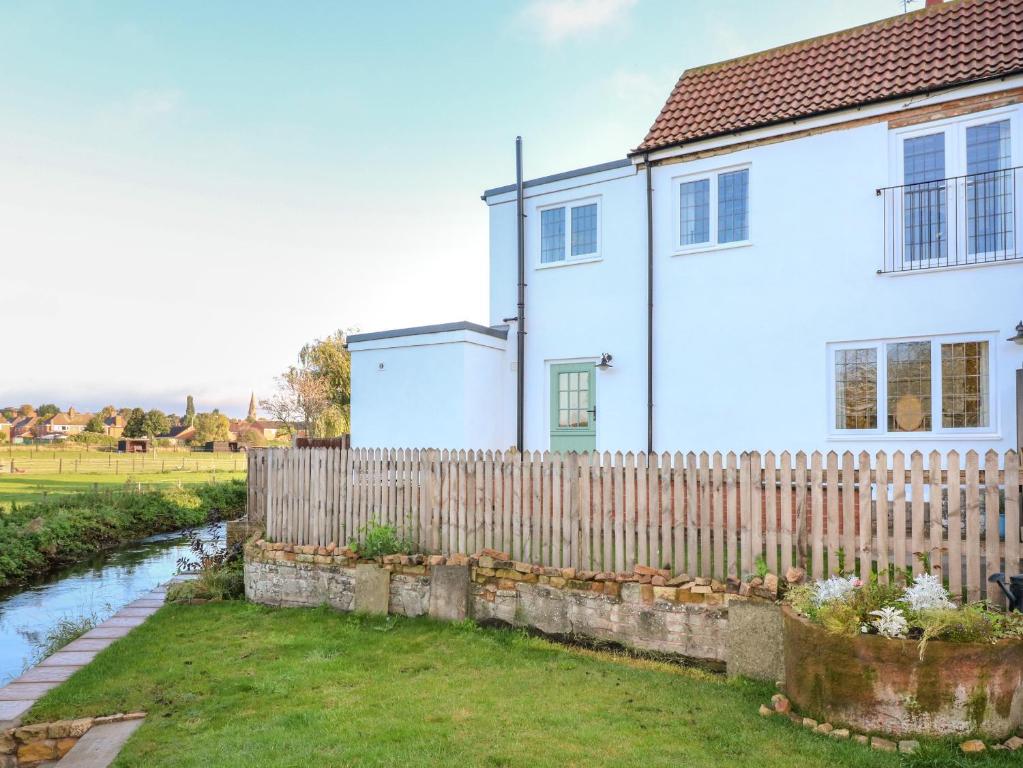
pixel 98 587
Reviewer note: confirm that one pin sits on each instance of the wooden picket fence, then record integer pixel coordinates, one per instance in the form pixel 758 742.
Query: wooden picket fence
pixel 716 515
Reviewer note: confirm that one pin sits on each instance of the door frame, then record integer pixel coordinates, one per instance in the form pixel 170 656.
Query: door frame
pixel 549 386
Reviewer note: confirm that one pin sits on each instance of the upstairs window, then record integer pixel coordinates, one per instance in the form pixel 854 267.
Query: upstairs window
pixel 713 209
pixel 569 232
pixel 928 386
pixel 956 201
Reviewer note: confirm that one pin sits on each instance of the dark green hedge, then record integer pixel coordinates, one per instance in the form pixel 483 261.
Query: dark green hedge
pixel 39 537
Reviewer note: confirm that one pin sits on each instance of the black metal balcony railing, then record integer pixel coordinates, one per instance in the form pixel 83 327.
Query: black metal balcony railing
pixel 958 221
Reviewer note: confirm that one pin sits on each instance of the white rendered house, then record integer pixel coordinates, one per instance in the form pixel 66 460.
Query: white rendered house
pixel 833 263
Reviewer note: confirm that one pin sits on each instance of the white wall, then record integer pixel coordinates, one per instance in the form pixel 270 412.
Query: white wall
pixel 742 334
pixel 437 390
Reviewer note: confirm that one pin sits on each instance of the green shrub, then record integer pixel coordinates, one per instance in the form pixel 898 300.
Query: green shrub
pixel 223 582
pixel 379 540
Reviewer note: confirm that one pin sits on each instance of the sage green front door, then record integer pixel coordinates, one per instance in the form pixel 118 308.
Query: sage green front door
pixel 573 407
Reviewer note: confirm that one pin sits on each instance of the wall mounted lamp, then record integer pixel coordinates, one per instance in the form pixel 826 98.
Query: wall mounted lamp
pixel 1018 338
pixel 606 358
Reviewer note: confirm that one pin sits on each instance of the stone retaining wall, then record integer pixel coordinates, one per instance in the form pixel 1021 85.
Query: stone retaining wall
pixel 647 609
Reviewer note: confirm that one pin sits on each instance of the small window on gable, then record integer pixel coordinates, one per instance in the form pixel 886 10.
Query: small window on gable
pixel 714 209
pixel 569 232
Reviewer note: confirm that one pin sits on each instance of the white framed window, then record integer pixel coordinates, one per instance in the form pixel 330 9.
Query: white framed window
pixel 956 203
pixel 912 386
pixel 570 232
pixel 712 209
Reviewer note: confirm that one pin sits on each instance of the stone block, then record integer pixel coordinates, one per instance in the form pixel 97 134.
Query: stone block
pixel 36 751
pixel 883 745
pixel 449 592
pixel 755 643
pixel 372 589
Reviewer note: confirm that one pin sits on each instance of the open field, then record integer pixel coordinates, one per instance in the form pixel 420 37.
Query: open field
pixel 235 684
pixel 49 471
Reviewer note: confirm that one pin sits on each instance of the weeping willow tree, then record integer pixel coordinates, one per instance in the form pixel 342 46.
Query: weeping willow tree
pixel 315 395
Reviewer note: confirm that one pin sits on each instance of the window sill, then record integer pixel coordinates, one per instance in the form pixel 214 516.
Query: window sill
pixel 904 436
pixel 569 262
pixel 711 248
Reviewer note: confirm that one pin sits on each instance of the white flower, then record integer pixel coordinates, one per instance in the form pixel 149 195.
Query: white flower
pixel 890 622
pixel 927 593
pixel 835 588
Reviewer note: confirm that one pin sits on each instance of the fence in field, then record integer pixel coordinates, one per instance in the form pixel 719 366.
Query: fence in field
pixel 715 515
pixel 59 463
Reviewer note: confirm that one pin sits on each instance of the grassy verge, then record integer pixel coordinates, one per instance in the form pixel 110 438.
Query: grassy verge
pixel 38 537
pixel 233 684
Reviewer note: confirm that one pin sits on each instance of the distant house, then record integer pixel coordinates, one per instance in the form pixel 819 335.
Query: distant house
pixel 64 424
pixel 24 427
pixel 113 426
pixel 5 426
pixel 268 429
pixel 177 435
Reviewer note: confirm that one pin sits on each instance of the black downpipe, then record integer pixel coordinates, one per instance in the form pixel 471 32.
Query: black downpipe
pixel 649 309
pixel 521 321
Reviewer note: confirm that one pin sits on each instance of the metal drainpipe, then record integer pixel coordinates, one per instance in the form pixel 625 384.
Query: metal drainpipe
pixel 520 366
pixel 649 309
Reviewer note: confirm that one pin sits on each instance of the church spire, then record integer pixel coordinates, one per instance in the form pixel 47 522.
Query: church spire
pixel 252 408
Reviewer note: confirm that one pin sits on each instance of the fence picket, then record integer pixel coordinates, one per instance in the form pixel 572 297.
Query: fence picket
pixel 832 525
pixel 536 509
pixel 1012 537
pixel 899 512
pixel 678 515
pixel 817 513
pixel 642 542
pixel 557 533
pixel 849 510
pixel 992 504
pixel 619 517
pixel 664 534
pixel 866 537
pixel 585 487
pixel 972 527
pixel 692 503
pixel 935 548
pixel 916 479
pixel 785 502
pixel 570 511
pixel 955 527
pixel 771 511
pixel 606 505
pixel 732 514
pixel 881 479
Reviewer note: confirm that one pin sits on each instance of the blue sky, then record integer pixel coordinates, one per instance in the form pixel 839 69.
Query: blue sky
pixel 191 190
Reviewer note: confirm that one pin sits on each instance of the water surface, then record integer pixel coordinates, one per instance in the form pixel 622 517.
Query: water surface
pixel 98 587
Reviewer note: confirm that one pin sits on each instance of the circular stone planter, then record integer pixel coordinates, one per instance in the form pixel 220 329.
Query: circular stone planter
pixel 877 684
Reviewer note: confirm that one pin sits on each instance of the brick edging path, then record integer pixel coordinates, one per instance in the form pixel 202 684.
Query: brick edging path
pixel 18 696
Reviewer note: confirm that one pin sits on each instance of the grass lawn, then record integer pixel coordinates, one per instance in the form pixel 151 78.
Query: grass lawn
pixel 234 684
pixel 31 486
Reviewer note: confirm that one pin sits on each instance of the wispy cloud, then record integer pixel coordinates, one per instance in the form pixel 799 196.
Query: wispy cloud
pixel 563 19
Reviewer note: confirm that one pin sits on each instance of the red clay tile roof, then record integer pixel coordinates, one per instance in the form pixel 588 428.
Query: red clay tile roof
pixel 936 47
